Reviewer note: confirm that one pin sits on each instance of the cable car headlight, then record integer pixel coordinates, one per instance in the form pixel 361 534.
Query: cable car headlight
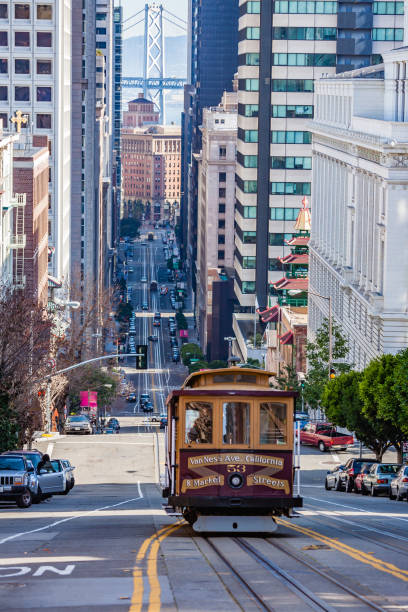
pixel 235 480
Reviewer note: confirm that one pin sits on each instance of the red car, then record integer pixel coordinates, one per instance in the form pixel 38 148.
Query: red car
pixel 358 478
pixel 324 436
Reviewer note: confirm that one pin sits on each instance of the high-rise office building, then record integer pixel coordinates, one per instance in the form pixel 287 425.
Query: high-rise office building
pixel 117 121
pixel 212 62
pixel 35 77
pixel 283 46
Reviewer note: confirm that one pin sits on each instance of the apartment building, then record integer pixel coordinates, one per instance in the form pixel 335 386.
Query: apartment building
pixel 283 47
pixel 35 78
pixel 357 247
pixel 117 119
pixel 216 201
pixel 140 112
pixel 12 209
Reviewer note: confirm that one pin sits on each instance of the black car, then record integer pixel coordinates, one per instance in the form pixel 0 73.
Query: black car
pixel 148 407
pixel 131 397
pixel 153 338
pixel 114 424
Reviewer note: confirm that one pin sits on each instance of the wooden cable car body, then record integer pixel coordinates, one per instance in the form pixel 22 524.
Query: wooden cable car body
pixel 229 451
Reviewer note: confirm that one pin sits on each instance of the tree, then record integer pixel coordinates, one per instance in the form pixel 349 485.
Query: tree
pixel 181 321
pixel 317 353
pixel 217 364
pixel 258 340
pixel 400 389
pixel 189 351
pixel 129 227
pixel 344 406
pixel 381 403
pixel 253 363
pixel 124 311
pixel 196 367
pixel 91 378
pixel 287 380
pixel 24 351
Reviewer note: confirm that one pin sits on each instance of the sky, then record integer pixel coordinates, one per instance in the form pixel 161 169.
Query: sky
pixel 130 7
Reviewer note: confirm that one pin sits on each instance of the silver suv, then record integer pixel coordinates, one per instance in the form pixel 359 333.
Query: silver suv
pixel 18 480
pixel 78 423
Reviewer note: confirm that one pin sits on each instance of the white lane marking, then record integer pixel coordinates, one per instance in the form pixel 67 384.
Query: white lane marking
pixel 359 509
pixel 65 520
pixel 335 517
pixel 50 448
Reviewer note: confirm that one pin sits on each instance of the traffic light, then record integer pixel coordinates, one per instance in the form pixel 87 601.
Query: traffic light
pixel 141 359
pixel 332 373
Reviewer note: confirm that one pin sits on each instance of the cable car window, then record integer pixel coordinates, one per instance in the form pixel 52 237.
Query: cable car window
pixel 246 378
pixel 273 423
pixel 199 423
pixel 235 423
pixel 223 378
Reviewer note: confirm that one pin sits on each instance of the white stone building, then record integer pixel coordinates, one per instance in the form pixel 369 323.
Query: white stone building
pixel 216 202
pixel 358 251
pixel 35 77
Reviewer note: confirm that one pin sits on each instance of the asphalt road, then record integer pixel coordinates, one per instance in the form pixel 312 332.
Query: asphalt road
pixel 90 549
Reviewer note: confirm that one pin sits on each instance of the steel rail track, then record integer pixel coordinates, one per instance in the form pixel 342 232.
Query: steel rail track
pixel 324 574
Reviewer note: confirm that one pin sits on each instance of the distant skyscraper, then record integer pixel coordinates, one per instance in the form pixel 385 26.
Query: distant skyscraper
pixel 212 61
pixel 35 77
pixel 117 120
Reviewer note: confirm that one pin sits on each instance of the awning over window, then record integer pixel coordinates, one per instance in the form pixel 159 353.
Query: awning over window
pixel 54 283
pixel 269 315
pixel 287 338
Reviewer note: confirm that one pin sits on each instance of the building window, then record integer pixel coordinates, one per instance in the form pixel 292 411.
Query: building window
pixel 101 45
pixel 22 11
pixel 292 111
pixel 291 163
pixel 309 33
pixel 284 214
pixel 304 59
pixel 21 94
pixel 221 208
pixel 22 39
pixel 44 11
pixel 222 152
pixel 249 263
pixel 249 237
pixel 279 239
pixel 248 287
pixel 43 121
pixel 22 66
pixel 101 31
pixel 250 161
pixel 3 66
pixel 252 33
pixel 292 85
pixel 4 120
pixel 250 186
pixel 221 239
pixel 221 223
pixel 222 177
pixel 43 94
pixel 249 84
pixel 221 192
pixel 3 93
pixel 44 39
pixel 249 212
pixel 252 59
pixel 253 7
pixel 44 67
pixel 251 110
pixel 221 254
pixel 3 39
pixel 388 8
pixel 290 188
pixel 251 135
pixel 274 264
pixel 291 137
pixel 3 11
pixel 301 7
pixel 388 34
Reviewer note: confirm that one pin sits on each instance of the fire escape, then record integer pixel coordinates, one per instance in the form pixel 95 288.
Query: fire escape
pixel 18 239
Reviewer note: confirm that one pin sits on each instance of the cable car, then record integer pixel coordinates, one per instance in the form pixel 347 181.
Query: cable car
pixel 230 451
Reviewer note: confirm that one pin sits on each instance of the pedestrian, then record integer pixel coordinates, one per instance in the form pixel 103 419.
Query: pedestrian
pixel 45 464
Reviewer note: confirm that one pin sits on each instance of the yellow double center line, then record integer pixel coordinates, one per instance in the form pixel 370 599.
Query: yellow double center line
pixel 359 555
pixel 154 584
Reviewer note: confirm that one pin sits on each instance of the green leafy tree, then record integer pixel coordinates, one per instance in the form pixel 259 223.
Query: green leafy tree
pixel 124 311
pixel 129 227
pixel 400 389
pixel 317 353
pixel 381 403
pixel 189 351
pixel 217 364
pixel 344 406
pixel 93 379
pixel 181 321
pixel 196 367
pixel 253 363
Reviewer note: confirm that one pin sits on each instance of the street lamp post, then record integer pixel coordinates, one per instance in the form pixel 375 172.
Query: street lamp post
pixel 230 340
pixel 329 299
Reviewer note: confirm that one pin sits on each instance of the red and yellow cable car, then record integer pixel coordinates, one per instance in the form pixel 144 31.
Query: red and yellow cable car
pixel 229 451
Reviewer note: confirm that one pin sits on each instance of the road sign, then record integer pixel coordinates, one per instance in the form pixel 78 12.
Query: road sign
pixel 141 358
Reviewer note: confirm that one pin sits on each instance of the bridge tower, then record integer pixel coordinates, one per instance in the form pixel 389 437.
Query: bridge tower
pixel 154 56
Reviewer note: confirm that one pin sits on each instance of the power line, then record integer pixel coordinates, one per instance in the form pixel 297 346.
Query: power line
pixel 133 25
pixel 176 24
pixel 131 17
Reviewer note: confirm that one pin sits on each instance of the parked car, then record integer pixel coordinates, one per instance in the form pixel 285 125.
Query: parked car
pixel 378 478
pixel 332 480
pixel 324 436
pixel 64 466
pixel 143 279
pixel 153 338
pixel 144 397
pixel 358 478
pixel 78 423
pixel 148 407
pixel 32 455
pixel 145 306
pixel 351 468
pixel 163 421
pixel 18 480
pixel 50 480
pixel 114 423
pixel 399 484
